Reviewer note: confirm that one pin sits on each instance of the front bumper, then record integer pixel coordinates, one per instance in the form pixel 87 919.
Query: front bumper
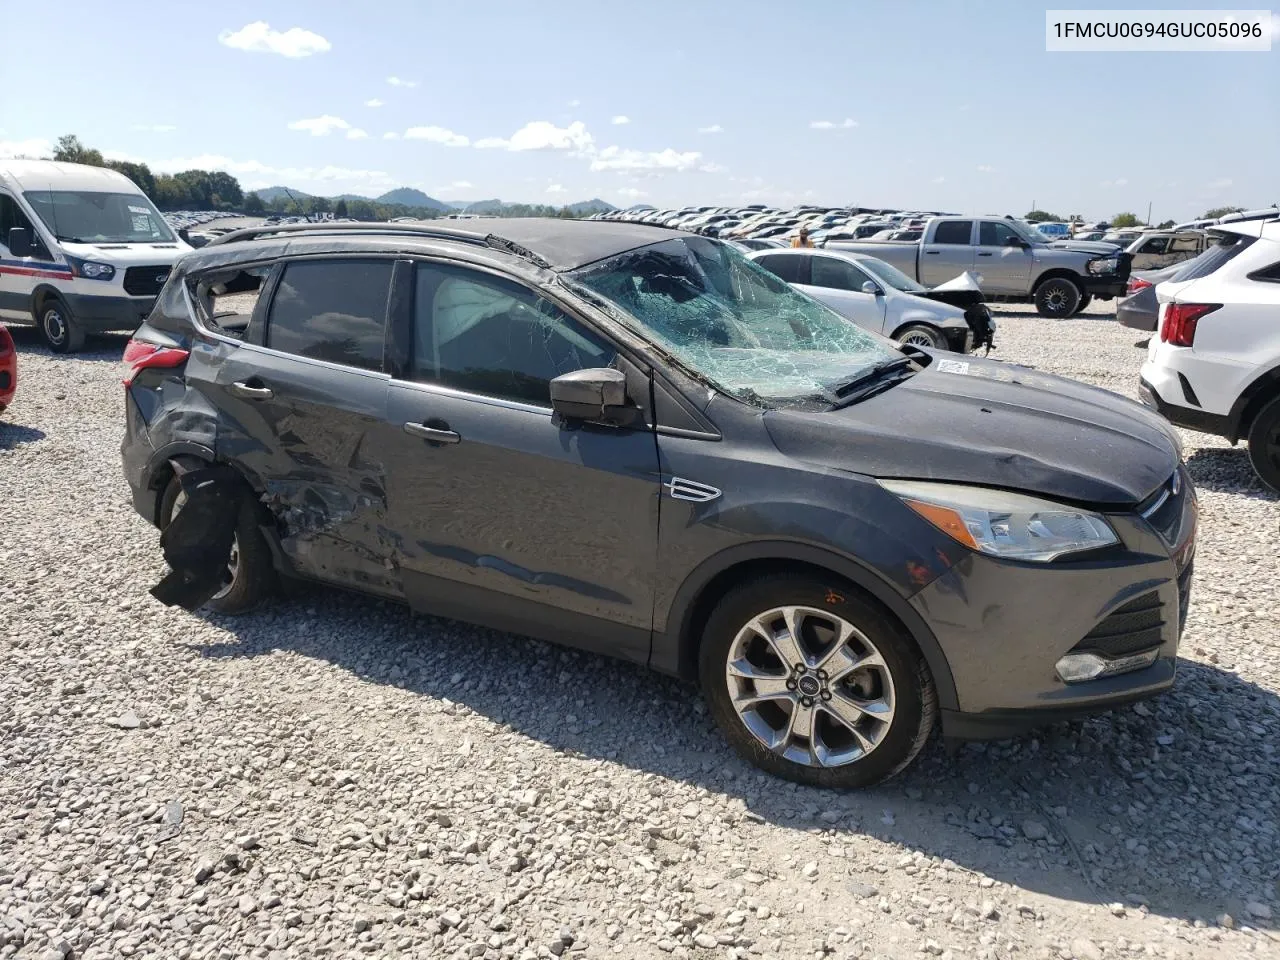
pixel 1003 626
pixel 1106 288
pixel 97 314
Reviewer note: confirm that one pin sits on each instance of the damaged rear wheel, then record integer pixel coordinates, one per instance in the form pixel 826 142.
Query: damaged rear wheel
pixel 250 576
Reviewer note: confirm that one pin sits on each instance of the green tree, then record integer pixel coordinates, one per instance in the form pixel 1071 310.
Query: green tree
pixel 340 209
pixel 225 188
pixel 71 150
pixel 361 210
pixel 139 173
pixel 1165 225
pixel 1043 216
pixel 319 205
pixel 1215 213
pixel 253 204
pixel 1125 220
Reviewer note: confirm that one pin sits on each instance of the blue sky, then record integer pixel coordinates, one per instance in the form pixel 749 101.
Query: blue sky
pixel 914 104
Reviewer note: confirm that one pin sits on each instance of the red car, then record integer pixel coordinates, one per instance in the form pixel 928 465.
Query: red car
pixel 8 368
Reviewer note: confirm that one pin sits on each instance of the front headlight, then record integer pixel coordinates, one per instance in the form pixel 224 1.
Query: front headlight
pixel 91 270
pixel 1010 525
pixel 1109 265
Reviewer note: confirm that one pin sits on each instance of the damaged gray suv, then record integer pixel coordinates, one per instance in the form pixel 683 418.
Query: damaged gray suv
pixel 638 442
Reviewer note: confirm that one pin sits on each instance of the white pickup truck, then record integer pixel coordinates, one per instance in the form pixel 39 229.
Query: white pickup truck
pixel 1011 260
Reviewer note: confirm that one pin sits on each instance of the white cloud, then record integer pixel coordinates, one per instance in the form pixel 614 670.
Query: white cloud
pixel 714 128
pixel 556 188
pixel 355 133
pixel 631 193
pixel 437 135
pixel 542 135
pixel 617 158
pixel 620 119
pixel 154 127
pixel 254 175
pixel 320 126
pixel 375 102
pixel 1220 184
pixel 986 168
pixel 939 179
pixel 391 135
pixel 397 82
pixel 34 147
pixel 453 187
pixel 575 103
pixel 845 124
pixel 258 37
pixel 1114 183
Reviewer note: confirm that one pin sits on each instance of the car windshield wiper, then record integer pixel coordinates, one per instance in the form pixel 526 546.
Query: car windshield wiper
pixel 880 377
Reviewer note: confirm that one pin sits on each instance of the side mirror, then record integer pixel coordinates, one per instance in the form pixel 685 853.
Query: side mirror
pixel 1015 242
pixel 871 287
pixel 20 243
pixel 598 395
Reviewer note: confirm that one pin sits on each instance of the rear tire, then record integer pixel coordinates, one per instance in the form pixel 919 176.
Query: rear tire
pixel 875 679
pixel 1057 298
pixel 253 579
pixel 921 335
pixel 1264 444
pixel 58 328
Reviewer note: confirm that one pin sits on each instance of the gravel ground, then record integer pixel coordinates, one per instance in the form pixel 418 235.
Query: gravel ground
pixel 334 777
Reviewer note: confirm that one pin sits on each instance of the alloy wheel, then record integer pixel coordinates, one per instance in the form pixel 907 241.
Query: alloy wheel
pixel 810 686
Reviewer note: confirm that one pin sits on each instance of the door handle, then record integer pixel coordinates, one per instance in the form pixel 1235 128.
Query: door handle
pixel 242 389
pixel 932 253
pixel 433 434
pixel 984 254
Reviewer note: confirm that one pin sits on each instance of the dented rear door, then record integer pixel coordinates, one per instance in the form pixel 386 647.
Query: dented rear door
pixel 297 414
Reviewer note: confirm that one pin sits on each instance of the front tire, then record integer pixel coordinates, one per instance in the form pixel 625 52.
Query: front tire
pixel 811 681
pixel 1264 444
pixel 58 328
pixel 921 335
pixel 251 576
pixel 1085 300
pixel 1057 298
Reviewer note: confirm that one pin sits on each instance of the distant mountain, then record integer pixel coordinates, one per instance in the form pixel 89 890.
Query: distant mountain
pixel 270 194
pixel 348 197
pixel 483 206
pixel 585 208
pixel 409 197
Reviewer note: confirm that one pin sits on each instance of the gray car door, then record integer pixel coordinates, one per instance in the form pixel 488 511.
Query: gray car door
pixel 838 284
pixel 1004 268
pixel 947 253
pixel 505 515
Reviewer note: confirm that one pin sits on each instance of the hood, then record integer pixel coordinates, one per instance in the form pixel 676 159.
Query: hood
pixel 991 424
pixel 962 291
pixel 1087 246
pixel 127 254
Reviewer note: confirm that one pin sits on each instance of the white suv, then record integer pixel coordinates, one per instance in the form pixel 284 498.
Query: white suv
pixel 1214 363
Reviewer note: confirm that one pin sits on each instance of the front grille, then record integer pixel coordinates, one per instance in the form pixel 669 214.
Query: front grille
pixel 1163 509
pixel 145 281
pixel 1129 629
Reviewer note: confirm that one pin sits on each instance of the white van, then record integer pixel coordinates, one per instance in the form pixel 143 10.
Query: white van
pixel 82 249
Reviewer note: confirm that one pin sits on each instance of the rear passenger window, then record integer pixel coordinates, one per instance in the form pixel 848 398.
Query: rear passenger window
pixel 837 274
pixel 1183 244
pixel 332 310
pixel 953 231
pixel 791 267
pixel 487 335
pixel 1155 245
pixel 1224 249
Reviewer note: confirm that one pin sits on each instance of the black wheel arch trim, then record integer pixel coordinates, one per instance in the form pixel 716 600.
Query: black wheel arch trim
pixel 40 294
pixel 675 651
pixel 159 460
pixel 1252 399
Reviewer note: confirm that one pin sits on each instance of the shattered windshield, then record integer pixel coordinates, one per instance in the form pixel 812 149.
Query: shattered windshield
pixel 734 322
pixel 889 274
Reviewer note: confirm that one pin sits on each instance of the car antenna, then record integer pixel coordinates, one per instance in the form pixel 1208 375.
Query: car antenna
pixel 294 199
pixel 53 212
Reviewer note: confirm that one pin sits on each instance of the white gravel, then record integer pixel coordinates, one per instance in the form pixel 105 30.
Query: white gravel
pixel 334 777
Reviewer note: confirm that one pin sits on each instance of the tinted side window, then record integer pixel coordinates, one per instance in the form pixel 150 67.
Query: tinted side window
pixel 1155 245
pixel 994 234
pixel 837 274
pixel 487 335
pixel 11 216
pixel 1223 250
pixel 332 310
pixel 953 231
pixel 791 267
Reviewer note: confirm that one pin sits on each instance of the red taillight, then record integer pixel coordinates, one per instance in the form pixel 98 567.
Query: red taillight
pixel 141 355
pixel 1136 284
pixel 1180 319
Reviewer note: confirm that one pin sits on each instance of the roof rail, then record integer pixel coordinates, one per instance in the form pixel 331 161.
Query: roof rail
pixel 490 240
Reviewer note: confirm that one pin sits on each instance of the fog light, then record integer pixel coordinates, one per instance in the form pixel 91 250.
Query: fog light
pixel 1079 667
